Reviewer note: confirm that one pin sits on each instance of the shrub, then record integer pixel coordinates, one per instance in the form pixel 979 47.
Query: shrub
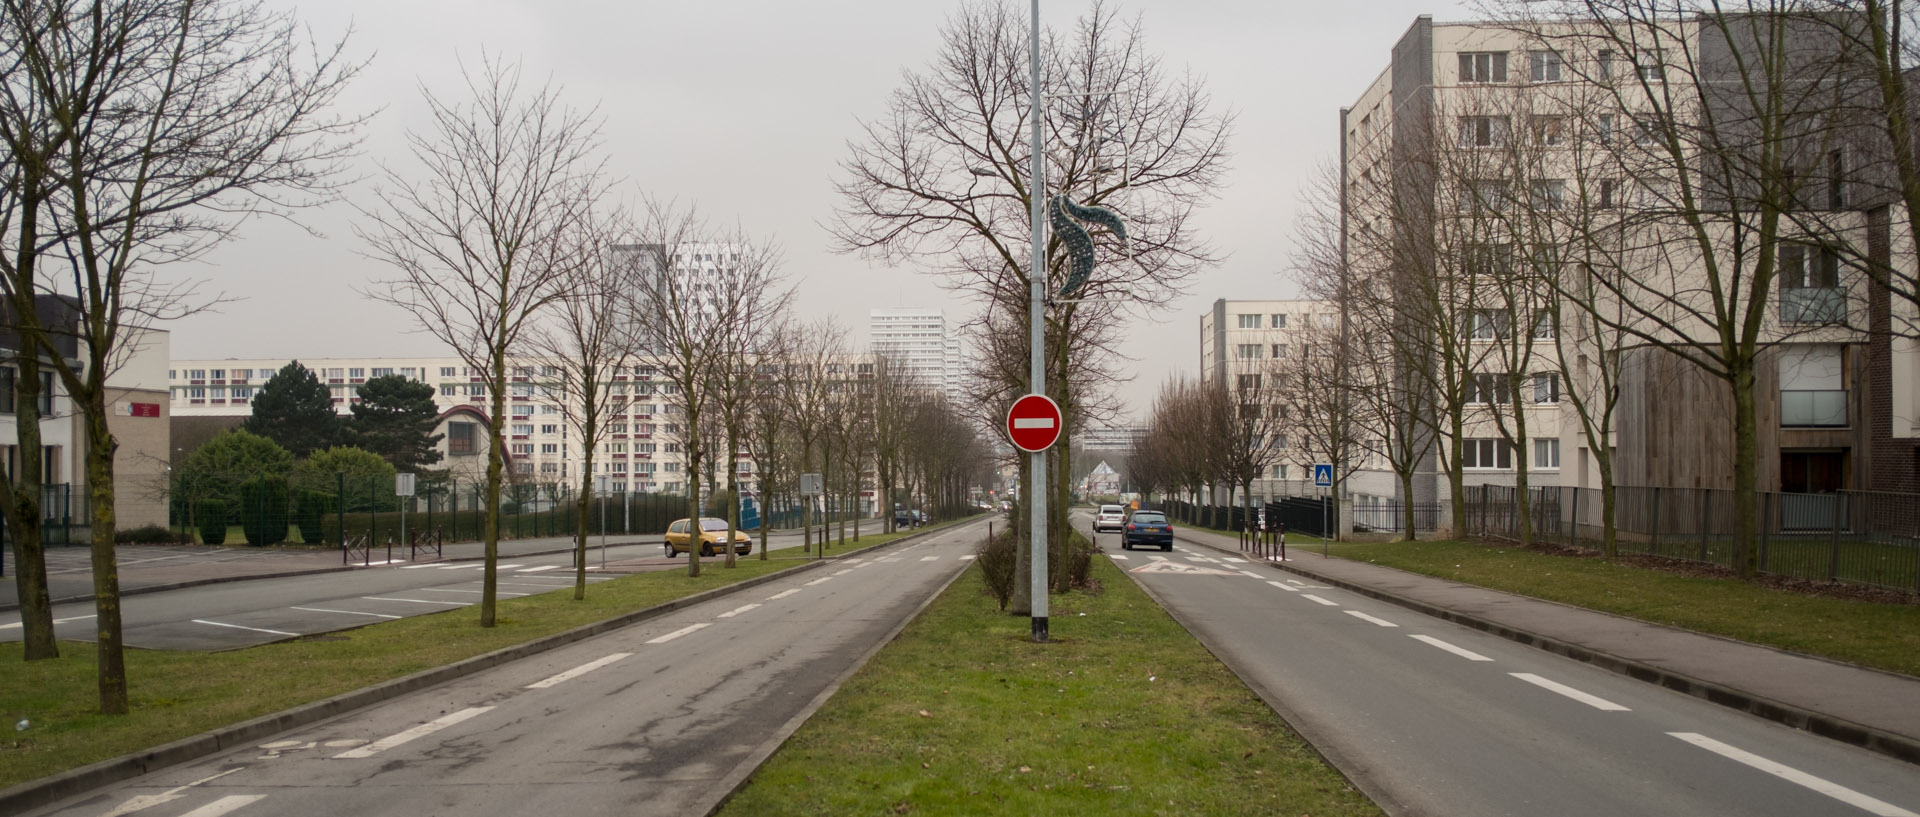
pixel 211 514
pixel 998 558
pixel 310 513
pixel 263 510
pixel 1078 561
pixel 147 535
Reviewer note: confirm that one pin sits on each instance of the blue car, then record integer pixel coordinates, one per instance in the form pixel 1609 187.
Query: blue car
pixel 1147 528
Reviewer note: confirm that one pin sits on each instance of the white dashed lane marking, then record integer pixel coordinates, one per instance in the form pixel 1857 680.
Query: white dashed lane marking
pixel 737 611
pixel 415 733
pixel 238 627
pixel 929 558
pixel 783 594
pixel 680 632
pixel 1596 702
pixel 578 671
pixel 1470 655
pixel 1795 776
pixel 1285 587
pixel 1321 600
pixel 343 612
pixel 225 805
pixel 1371 619
pixel 819 580
pixel 420 601
pixel 541 569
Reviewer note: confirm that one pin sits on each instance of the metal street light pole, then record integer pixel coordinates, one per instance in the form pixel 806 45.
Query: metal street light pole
pixel 1036 288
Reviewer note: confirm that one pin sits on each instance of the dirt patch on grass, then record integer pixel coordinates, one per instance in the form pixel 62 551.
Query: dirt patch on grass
pixel 1697 570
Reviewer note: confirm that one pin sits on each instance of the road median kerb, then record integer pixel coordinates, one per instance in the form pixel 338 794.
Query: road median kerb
pixel 1894 745
pixel 35 793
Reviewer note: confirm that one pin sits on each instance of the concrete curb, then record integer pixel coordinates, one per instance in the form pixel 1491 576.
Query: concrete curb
pixel 1899 747
pixel 36 793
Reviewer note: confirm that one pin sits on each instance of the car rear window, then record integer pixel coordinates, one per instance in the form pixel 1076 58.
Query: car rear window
pixel 1110 509
pixel 1149 517
pixel 713 524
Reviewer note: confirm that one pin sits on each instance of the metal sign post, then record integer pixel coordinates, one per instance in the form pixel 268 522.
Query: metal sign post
pixel 600 487
pixel 403 488
pixel 811 487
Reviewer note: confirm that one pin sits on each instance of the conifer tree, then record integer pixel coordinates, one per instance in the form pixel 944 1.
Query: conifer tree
pixel 293 408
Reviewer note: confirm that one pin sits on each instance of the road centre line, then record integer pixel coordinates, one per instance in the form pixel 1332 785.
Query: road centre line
pixel 541 568
pixel 225 805
pixel 1321 600
pixel 417 732
pixel 783 594
pixel 1470 655
pixel 419 601
pixel 1795 776
pixel 680 632
pixel 819 580
pixel 343 612
pixel 238 627
pixel 843 572
pixel 1283 586
pixel 737 611
pixel 1596 702
pixel 1371 619
pixel 578 671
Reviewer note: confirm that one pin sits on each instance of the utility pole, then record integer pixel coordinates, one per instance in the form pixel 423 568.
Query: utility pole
pixel 1036 340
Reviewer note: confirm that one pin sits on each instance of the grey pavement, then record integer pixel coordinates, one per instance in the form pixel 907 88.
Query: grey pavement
pixel 153 568
pixel 1853 704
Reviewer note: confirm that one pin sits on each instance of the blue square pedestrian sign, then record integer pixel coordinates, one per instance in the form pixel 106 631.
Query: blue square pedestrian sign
pixel 1322 475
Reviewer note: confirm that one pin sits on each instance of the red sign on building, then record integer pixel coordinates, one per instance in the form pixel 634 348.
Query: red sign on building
pixel 146 409
pixel 1033 423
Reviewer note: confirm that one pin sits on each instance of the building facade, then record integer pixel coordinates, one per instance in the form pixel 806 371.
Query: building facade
pixel 921 343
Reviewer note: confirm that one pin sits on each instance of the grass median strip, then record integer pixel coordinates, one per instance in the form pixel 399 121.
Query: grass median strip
pixel 180 694
pixel 1124 714
pixel 1872 634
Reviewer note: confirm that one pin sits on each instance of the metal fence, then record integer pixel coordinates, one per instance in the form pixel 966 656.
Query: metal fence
pixel 1868 538
pixel 1391 517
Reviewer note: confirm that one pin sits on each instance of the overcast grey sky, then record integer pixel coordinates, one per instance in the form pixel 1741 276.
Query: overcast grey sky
pixel 745 108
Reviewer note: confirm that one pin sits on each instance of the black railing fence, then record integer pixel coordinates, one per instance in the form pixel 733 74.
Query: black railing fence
pixel 1868 538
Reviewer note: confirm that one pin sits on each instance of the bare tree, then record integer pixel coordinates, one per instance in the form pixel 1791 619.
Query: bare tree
pixel 753 304
pixel 141 134
pixel 491 234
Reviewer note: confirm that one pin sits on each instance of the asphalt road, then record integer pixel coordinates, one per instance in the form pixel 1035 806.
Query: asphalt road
pixel 661 718
pixel 1432 718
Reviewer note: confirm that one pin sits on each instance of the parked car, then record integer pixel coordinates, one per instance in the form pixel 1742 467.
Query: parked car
pixel 1110 518
pixel 712 532
pixel 1147 528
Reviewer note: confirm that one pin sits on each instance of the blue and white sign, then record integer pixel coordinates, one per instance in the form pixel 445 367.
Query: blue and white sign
pixel 1322 475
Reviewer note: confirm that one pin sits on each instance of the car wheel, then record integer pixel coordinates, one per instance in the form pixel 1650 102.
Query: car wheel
pixel 669 550
pixel 1167 548
pixel 706 550
pixel 1126 545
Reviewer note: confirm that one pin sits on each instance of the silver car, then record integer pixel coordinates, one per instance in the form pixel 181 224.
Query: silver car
pixel 1111 518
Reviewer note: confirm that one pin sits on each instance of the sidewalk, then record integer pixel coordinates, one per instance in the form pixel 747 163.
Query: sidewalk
pixel 154 568
pixel 1856 705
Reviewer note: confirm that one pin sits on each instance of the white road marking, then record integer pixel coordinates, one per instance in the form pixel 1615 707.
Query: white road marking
pixel 1251 573
pixel 417 732
pixel 1198 559
pixel 737 611
pixel 783 594
pixel 462 567
pixel 680 632
pixel 225 805
pixel 578 671
pixel 448 590
pixel 238 627
pixel 819 580
pixel 344 612
pixel 1795 776
pixel 929 558
pixel 1321 600
pixel 146 801
pixel 1470 655
pixel 56 621
pixel 1371 619
pixel 969 557
pixel 501 567
pixel 417 567
pixel 541 569
pixel 1599 703
pixel 419 601
pixel 1283 587
pixel 843 572
pixel 1156 557
pixel 1121 556
pixel 1236 561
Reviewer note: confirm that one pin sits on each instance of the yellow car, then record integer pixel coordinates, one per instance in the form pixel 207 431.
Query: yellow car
pixel 712 531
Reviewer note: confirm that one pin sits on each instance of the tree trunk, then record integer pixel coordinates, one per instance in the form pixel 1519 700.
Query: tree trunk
pixel 496 463
pixel 112 667
pixel 1745 471
pixel 733 495
pixel 24 518
pixel 1406 505
pixel 580 526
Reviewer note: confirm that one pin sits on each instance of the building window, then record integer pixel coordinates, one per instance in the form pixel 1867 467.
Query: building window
pixel 197 374
pixel 549 428
pixel 523 429
pixel 1486 454
pixel 1489 324
pixel 1247 351
pixel 383 372
pixel 1484 131
pixel 219 374
pixel 1483 66
pixel 1543 328
pixel 1249 321
pixel 1543 66
pixel 1279 351
pixel 449 390
pixel 1279 321
pixel 1603 128
pixel 1605 199
pixel 1485 389
pixel 242 392
pixel 1810 284
pixel 522 449
pixel 1549 195
pixel 1485 196
pixel 1248 382
pixel 360 373
pixel 1279 472
pixel 1604 63
pixel 1651 64
pixel 446 371
pixel 1546 453
pixel 460 438
pixel 1546 388
pixel 1549 130
pixel 549 448
pixel 523 410
pixel 243 374
pixel 1836 180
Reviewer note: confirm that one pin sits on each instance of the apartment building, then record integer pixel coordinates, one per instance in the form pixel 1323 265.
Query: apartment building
pixel 1264 351
pixel 1486 149
pixel 920 343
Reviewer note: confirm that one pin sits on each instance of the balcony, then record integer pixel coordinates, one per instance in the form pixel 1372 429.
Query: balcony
pixel 1813 305
pixel 1823 408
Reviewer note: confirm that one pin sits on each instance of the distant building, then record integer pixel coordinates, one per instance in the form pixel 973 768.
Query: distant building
pixel 919 342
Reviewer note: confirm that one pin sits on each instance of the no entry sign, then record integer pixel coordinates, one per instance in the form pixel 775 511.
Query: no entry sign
pixel 1034 422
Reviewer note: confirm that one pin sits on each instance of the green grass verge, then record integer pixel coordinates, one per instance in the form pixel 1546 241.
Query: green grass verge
pixel 1884 636
pixel 1124 714
pixel 178 694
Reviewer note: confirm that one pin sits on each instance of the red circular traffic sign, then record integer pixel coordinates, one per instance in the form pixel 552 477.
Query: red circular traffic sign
pixel 1033 423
